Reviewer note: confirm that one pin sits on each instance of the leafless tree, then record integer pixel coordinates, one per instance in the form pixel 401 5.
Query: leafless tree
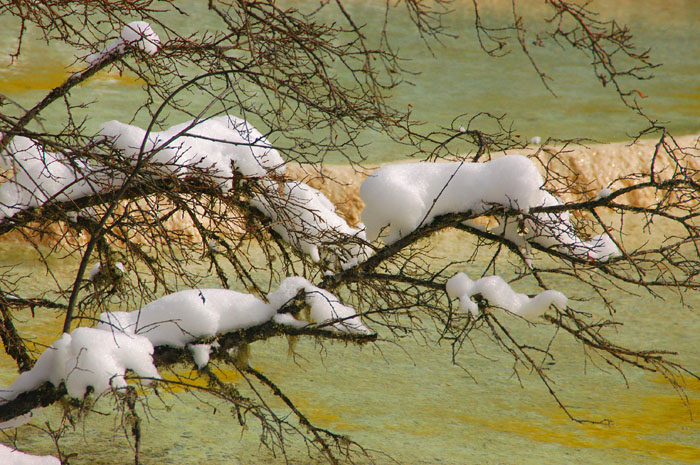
pixel 313 80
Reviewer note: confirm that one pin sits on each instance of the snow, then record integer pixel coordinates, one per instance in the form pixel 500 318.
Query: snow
pixel 179 318
pixel 99 357
pixel 499 294
pixel 40 176
pixel 16 422
pixel 200 353
pixel 287 319
pixel 400 198
pixel 182 317
pixel 212 144
pixel 138 34
pixel 9 456
pixel 97 269
pixel 87 357
pixel 306 219
pixel 604 193
pixel 404 196
pixel 325 308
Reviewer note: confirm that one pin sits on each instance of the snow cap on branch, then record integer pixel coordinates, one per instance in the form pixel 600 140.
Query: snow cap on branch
pixel 99 357
pixel 405 196
pixel 306 219
pixel 87 357
pixel 325 307
pixel 8 456
pixel 40 176
pixel 401 198
pixel 499 294
pixel 212 144
pixel 137 34
pixel 179 318
pixel 140 35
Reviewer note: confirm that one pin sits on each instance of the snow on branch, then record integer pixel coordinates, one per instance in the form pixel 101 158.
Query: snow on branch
pixel 99 357
pixel 499 294
pixel 87 357
pixel 9 456
pixel 403 197
pixel 41 176
pixel 137 34
pixel 221 145
pixel 217 146
pixel 306 219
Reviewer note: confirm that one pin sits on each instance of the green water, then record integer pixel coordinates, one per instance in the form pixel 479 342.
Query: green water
pixel 411 402
pixel 457 78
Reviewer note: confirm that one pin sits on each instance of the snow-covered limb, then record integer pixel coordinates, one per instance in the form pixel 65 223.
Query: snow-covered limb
pixel 306 219
pixel 220 145
pixel 183 317
pixel 41 176
pixel 499 294
pixel 217 145
pixel 87 357
pixel 99 357
pixel 400 198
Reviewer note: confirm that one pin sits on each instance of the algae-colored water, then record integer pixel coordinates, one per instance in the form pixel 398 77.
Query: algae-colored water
pixel 411 402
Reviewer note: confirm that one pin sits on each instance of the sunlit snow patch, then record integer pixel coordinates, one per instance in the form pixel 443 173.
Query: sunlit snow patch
pixel 213 144
pixel 40 176
pixel 138 34
pixel 403 197
pixel 499 294
pixel 87 357
pixel 9 456
pixel 306 219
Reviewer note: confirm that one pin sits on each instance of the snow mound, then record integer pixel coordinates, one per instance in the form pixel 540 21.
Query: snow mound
pixel 499 294
pixel 137 34
pixel 182 317
pixel 99 357
pixel 220 145
pixel 179 318
pixel 326 310
pixel 306 219
pixel 401 198
pixel 405 196
pixel 87 357
pixel 40 176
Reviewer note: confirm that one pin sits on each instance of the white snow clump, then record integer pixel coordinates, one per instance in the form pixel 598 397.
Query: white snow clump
pixel 200 354
pixel 138 34
pixel 405 196
pixel 604 193
pixel 306 219
pixel 97 270
pixel 325 308
pixel 212 144
pixel 9 456
pixel 400 198
pixel 40 176
pixel 87 357
pixel 499 294
pixel 177 319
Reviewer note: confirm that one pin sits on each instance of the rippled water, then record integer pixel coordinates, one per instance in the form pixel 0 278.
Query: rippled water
pixel 412 403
